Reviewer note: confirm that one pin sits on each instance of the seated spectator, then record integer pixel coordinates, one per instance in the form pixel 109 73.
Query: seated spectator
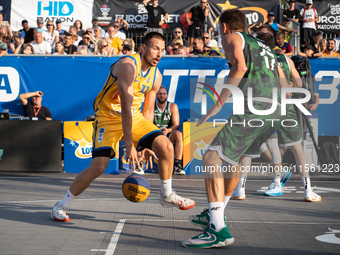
pixel 59 49
pixel 27 33
pixel 322 46
pixel 109 47
pixel 182 50
pixel 5 24
pixel 198 47
pixel 276 26
pixel 206 38
pixel 103 48
pixel 280 42
pixel 97 34
pixel 131 43
pixel 88 42
pixel 337 42
pixel 176 42
pixel 79 27
pixel 330 52
pixel 40 46
pixel 113 31
pixel 166 118
pixel 215 51
pixel 51 35
pixel 123 25
pixel 95 23
pixel 75 38
pixel 117 44
pixel 5 37
pixel 292 12
pixel 82 50
pixel 28 49
pixel 309 16
pixel 17 46
pixel 68 45
pixel 127 49
pixel 3 49
pixel 206 50
pixel 317 36
pixel 61 32
pixel 307 51
pixel 40 23
pixel 34 109
pixel 285 23
pixel 177 33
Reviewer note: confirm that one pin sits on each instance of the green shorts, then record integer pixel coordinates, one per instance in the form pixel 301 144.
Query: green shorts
pixel 242 131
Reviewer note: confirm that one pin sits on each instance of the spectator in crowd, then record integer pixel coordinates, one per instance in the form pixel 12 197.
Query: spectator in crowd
pixel 95 23
pixel 206 38
pixel 5 24
pixel 308 18
pixel 109 47
pixel 280 42
pixel 322 46
pixel 97 34
pixel 317 36
pixel 27 33
pixel 60 30
pixel 182 50
pixel 206 50
pixel 198 47
pixel 40 46
pixel 40 23
pixel 276 26
pixel 79 28
pixel 69 47
pixel 285 23
pixel 82 50
pixel 5 36
pixel 59 49
pixel 215 51
pixel 307 51
pixel 51 35
pixel 75 38
pixel 292 12
pixel 116 43
pixel 35 109
pixel 166 118
pixel 130 42
pixel 3 49
pixel 177 33
pixel 17 46
pixel 337 42
pixel 212 43
pixel 113 31
pixel 28 49
pixel 176 42
pixel 127 50
pixel 88 41
pixel 330 52
pixel 196 23
pixel 123 25
pixel 155 13
pixel 103 48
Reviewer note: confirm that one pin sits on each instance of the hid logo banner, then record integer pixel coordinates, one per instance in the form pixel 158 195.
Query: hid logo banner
pixel 67 11
pixel 195 143
pixel 9 84
pixel 124 165
pixel 78 148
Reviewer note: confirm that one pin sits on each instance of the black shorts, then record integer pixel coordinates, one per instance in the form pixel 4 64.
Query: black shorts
pixel 307 35
pixel 195 31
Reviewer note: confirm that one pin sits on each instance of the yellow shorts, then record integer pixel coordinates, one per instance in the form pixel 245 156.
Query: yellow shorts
pixel 108 131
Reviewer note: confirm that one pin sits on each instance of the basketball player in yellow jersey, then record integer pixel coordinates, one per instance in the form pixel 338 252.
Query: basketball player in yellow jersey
pixel 117 109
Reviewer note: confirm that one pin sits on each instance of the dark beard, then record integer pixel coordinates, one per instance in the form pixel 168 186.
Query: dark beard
pixel 161 102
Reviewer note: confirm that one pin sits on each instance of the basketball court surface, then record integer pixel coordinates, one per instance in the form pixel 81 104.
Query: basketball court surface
pixel 104 222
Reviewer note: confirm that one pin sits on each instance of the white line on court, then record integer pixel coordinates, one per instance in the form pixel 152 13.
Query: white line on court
pixel 115 237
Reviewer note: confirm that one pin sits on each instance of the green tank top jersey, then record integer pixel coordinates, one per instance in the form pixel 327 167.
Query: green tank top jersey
pixel 283 62
pixel 162 119
pixel 262 74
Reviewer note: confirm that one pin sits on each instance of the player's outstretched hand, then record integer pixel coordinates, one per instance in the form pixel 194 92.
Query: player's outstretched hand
pixel 147 155
pixel 131 156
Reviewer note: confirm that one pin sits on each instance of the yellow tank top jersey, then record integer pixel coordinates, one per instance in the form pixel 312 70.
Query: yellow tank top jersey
pixel 107 103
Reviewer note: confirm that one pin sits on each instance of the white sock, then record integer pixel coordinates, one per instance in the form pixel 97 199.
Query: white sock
pixel 216 210
pixel 67 198
pixel 306 182
pixel 166 187
pixel 226 200
pixel 277 177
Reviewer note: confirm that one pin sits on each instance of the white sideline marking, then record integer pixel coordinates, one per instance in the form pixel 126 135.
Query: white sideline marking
pixel 115 237
pixel 98 250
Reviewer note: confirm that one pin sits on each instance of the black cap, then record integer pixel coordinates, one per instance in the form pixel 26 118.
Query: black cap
pixel 309 46
pixel 127 46
pixel 285 18
pixel 24 21
pixel 95 18
pixel 318 32
pixel 58 21
pixel 292 1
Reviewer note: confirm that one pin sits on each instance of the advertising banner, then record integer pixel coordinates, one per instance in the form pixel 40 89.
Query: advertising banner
pixel 136 15
pixel 70 94
pixel 5 9
pixel 67 11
